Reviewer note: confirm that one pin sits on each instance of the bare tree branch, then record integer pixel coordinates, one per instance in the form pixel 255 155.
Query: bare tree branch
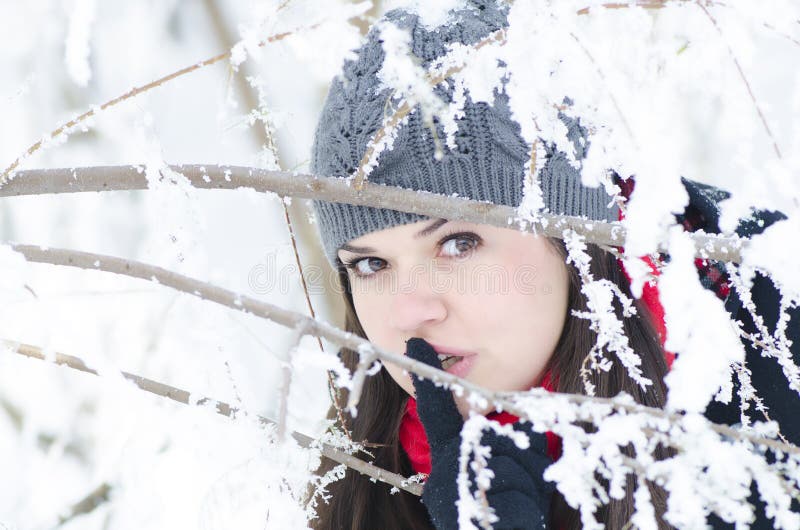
pixel 291 319
pixel 183 396
pixel 123 178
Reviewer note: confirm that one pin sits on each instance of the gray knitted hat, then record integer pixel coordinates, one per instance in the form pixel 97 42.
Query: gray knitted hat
pixel 488 164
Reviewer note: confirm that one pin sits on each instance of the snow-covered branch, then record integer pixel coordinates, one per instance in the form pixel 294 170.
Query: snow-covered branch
pixel 283 183
pixel 189 398
pixel 503 400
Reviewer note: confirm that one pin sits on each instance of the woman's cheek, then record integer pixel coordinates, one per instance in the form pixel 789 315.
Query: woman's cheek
pixel 368 311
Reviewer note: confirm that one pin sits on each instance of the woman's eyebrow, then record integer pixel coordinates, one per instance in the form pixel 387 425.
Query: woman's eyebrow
pixel 430 229
pixel 422 233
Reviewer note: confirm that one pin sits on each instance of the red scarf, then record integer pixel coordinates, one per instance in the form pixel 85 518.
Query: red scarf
pixel 415 442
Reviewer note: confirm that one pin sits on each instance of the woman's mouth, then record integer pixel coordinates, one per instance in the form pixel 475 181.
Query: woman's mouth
pixel 458 365
pixel 448 360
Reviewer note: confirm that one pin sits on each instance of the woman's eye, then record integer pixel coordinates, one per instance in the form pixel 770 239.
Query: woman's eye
pixel 362 266
pixel 459 245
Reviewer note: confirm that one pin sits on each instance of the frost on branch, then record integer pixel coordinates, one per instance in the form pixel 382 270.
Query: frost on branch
pixel 431 14
pixel 647 116
pixel 699 329
pixel 320 488
pixel 473 461
pixel 613 446
pixel 269 489
pixel 747 394
pixel 314 358
pixel 711 474
pixel 603 319
pixel 402 73
pixel 775 345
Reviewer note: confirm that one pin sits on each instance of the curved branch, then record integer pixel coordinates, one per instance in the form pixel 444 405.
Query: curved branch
pixel 284 183
pixel 291 319
pixel 183 396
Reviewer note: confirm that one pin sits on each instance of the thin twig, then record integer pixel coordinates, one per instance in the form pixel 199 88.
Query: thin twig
pixel 405 108
pixel 183 396
pixel 120 178
pixel 784 35
pixel 217 19
pixel 127 95
pixel 504 400
pixel 610 92
pixel 778 346
pixel 744 80
pixel 365 359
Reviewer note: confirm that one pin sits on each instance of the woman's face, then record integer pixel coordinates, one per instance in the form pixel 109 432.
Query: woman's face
pixel 497 296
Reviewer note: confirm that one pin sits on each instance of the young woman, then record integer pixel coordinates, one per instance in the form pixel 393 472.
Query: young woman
pixel 492 305
pixel 508 340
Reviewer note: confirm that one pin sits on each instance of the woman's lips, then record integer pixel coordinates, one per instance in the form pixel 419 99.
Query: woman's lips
pixel 463 366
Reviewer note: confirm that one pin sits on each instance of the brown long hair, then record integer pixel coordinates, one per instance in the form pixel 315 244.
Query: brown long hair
pixel 358 503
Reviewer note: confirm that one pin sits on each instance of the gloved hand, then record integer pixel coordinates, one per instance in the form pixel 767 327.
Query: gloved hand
pixel 518 494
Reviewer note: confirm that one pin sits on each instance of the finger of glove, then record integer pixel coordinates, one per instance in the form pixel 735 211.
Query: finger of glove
pixel 510 476
pixel 440 502
pixel 435 404
pixel 532 460
pixel 517 510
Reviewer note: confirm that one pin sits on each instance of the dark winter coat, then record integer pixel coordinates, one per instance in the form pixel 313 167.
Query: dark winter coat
pixel 782 403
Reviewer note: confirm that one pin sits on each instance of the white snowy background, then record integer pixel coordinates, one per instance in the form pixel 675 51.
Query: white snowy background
pixel 62 433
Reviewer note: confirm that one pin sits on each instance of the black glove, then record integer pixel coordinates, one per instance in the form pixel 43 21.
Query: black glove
pixel 518 494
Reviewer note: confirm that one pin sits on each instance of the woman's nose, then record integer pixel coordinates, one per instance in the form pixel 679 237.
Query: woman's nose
pixel 415 306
